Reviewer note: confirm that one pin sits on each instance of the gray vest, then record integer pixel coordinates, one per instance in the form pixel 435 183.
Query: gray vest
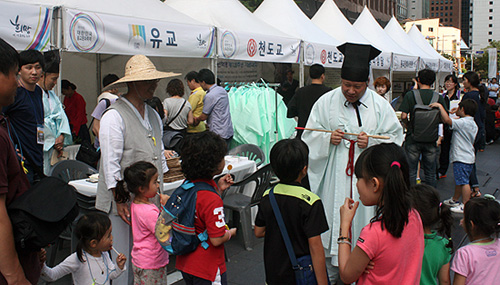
pixel 138 144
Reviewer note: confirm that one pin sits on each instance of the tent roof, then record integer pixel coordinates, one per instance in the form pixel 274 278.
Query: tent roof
pixel 331 20
pixel 371 30
pixel 419 39
pixel 215 12
pixel 146 9
pixel 396 32
pixel 286 16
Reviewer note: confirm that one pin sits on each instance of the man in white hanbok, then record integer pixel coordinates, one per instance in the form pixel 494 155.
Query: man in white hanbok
pixel 351 108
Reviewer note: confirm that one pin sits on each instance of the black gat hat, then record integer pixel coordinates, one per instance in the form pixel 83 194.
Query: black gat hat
pixel 357 57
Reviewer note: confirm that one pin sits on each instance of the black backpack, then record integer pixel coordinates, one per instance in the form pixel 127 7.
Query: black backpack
pixel 41 213
pixel 424 120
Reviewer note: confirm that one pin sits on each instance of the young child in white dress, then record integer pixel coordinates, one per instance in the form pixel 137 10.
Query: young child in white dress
pixel 91 263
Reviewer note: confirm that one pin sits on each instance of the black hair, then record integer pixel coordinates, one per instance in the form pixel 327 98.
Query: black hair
pixel 9 58
pixel 52 61
pixel 395 201
pixel 91 226
pixel 469 105
pixel 156 104
pixel 32 56
pixel 426 76
pixel 432 212
pixel 288 157
pixel 65 84
pixel 207 76
pixel 485 214
pixel 108 79
pixel 137 175
pixel 475 81
pixel 175 87
pixel 316 70
pixel 494 107
pixel 202 154
pixel 192 75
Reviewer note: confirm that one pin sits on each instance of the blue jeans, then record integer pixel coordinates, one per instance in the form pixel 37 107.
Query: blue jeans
pixel 429 152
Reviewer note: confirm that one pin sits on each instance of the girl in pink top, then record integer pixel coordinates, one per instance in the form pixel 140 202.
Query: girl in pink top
pixel 149 259
pixel 391 247
pixel 479 261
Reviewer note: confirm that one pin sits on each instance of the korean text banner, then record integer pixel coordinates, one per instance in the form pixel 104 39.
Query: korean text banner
pixel 432 64
pixel 382 61
pixel 327 55
pixel 25 26
pixel 257 47
pixel 104 33
pixel 404 63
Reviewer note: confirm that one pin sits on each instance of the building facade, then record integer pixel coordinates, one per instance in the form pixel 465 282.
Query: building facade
pixel 448 11
pixel 418 9
pixel 465 20
pixel 484 23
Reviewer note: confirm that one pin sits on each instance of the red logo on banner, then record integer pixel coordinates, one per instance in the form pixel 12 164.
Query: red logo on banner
pixel 323 56
pixel 251 47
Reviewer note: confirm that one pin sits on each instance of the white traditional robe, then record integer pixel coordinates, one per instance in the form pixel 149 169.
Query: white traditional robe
pixel 328 162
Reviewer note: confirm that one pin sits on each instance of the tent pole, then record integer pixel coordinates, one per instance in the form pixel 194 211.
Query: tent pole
pixel 58 46
pixel 98 73
pixel 390 74
pixel 301 65
pixel 215 57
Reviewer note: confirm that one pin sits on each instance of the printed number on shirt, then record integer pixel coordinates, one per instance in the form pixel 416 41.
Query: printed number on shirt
pixel 220 214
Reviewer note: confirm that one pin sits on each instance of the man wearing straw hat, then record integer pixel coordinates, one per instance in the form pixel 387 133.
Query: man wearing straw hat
pixel 130 131
pixel 350 108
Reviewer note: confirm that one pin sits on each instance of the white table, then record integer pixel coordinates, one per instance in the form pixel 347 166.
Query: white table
pixel 241 168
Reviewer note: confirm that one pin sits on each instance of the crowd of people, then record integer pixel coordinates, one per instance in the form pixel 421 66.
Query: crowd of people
pixel 347 191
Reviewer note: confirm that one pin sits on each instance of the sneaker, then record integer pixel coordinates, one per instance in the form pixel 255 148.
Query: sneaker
pixel 452 203
pixel 490 142
pixel 441 176
pixel 458 209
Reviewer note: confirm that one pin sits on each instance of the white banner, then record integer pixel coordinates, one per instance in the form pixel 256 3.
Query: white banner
pixel 445 65
pixel 257 47
pixel 404 63
pixel 103 33
pixel 382 61
pixel 25 26
pixel 432 64
pixel 328 56
pixel 492 63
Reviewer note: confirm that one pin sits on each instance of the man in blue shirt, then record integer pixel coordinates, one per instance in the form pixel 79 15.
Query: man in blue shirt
pixel 26 114
pixel 215 107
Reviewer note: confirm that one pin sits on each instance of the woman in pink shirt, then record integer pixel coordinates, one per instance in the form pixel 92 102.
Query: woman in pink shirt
pixel 392 245
pixel 149 259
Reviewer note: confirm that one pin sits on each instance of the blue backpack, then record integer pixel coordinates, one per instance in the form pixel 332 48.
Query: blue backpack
pixel 174 228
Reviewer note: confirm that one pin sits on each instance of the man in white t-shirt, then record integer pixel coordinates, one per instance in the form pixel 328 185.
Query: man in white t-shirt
pixel 493 89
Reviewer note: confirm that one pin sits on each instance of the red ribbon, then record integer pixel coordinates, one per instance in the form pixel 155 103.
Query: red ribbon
pixel 350 163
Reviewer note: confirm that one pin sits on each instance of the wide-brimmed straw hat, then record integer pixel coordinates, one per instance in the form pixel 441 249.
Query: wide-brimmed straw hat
pixel 140 68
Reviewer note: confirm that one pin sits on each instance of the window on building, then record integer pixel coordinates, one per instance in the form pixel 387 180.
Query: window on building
pixel 451 13
pixel 491 2
pixel 432 14
pixel 446 2
pixel 419 27
pixel 446 14
pixel 431 29
pixel 432 8
pixel 491 18
pixel 490 25
pixel 441 8
pixel 491 10
pixel 489 40
pixel 446 7
pixel 490 33
pixel 441 14
pixel 445 19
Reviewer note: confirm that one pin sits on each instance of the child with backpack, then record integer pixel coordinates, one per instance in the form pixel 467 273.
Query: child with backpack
pixel 149 259
pixel 303 216
pixel 478 262
pixel 437 252
pixel 394 239
pixel 203 158
pixel 91 263
pixel 462 153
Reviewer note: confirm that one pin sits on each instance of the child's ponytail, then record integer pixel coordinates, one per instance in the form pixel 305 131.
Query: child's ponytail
pixel 135 176
pixel 446 224
pixel 121 193
pixel 388 163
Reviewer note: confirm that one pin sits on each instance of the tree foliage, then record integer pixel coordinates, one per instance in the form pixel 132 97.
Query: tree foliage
pixel 481 62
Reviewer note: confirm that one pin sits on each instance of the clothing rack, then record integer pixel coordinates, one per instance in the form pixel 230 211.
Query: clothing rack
pixel 275 86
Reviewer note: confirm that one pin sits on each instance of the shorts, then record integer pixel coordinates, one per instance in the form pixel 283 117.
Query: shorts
pixel 150 276
pixel 220 279
pixel 462 172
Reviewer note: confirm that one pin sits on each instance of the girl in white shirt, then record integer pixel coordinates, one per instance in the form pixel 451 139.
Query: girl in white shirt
pixel 91 263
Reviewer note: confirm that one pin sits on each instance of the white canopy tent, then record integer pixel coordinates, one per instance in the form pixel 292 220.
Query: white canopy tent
pixel 330 19
pixel 241 35
pixel 445 65
pixel 393 57
pixel 396 32
pixel 122 28
pixel 317 45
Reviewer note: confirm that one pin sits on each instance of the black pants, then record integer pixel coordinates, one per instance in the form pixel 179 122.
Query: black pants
pixel 444 156
pixel 193 280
